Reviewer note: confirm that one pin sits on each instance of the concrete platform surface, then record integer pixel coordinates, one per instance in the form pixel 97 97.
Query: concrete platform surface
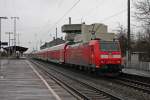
pixel 19 80
pixel 136 72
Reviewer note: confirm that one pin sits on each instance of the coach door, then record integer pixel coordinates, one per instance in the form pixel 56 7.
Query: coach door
pixel 92 55
pixel 61 56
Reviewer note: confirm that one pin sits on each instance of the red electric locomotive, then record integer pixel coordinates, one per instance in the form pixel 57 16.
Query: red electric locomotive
pixel 101 56
pixel 104 56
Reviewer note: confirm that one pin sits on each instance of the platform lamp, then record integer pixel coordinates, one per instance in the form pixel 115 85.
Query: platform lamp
pixel 15 19
pixel 1 43
pixel 0 32
pixel 9 33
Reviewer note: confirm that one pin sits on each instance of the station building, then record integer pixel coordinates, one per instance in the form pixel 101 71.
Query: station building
pixel 84 33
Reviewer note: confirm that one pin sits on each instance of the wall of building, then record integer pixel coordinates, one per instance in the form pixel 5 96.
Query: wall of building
pixel 101 32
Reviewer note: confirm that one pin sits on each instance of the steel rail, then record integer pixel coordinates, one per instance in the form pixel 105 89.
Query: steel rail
pixel 133 84
pixel 86 86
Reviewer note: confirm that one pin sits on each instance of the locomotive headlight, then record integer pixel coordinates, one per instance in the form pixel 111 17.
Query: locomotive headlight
pixel 116 56
pixel 104 56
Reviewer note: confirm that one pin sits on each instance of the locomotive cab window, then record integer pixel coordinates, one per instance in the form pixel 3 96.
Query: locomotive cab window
pixel 109 46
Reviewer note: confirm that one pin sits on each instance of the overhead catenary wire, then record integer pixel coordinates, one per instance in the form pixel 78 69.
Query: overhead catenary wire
pixel 109 17
pixel 68 11
pixel 91 10
pixel 60 19
pixel 96 7
pixel 114 15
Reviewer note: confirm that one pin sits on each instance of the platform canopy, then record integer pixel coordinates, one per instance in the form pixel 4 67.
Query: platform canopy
pixel 17 48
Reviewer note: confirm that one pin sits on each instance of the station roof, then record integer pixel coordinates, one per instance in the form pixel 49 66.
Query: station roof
pixel 17 48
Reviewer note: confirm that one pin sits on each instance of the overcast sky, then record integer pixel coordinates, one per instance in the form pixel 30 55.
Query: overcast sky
pixel 37 18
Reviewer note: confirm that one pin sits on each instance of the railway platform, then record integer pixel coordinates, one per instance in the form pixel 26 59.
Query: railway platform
pixel 20 80
pixel 137 72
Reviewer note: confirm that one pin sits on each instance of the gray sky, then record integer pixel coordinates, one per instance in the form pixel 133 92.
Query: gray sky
pixel 38 17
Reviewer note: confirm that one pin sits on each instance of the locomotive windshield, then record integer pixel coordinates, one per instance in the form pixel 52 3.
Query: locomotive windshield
pixel 109 46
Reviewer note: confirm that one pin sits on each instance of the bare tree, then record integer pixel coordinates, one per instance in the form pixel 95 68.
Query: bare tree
pixel 122 37
pixel 142 12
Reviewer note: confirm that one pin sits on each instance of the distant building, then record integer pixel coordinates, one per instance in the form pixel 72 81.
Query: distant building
pixel 84 33
pixel 53 43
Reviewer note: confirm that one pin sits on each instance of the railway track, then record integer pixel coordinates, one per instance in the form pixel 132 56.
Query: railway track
pixel 83 89
pixel 124 87
pixel 136 78
pixel 138 85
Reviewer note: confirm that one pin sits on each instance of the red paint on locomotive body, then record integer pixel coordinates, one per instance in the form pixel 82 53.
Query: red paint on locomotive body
pixel 94 54
pixel 78 54
pixel 111 56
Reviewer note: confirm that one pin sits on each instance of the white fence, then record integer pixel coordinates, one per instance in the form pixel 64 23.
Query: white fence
pixel 139 65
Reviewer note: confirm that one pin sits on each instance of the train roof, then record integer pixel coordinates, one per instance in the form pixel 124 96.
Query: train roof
pixel 56 47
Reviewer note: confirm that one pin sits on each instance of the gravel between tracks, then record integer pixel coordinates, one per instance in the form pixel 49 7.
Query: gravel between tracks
pixel 125 92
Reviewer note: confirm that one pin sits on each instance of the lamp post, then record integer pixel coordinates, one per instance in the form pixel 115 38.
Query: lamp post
pixel 18 39
pixel 129 40
pixel 0 45
pixel 0 32
pixel 9 41
pixel 15 18
pixel 12 41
